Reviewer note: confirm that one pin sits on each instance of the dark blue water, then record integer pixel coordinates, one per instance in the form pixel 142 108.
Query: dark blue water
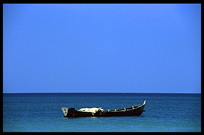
pixel 42 112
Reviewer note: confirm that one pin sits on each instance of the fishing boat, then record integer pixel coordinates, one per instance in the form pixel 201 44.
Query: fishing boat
pixel 135 110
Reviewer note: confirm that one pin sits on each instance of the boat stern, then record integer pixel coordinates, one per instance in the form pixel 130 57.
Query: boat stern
pixel 65 111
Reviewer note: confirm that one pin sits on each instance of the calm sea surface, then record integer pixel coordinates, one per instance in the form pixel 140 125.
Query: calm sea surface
pixel 42 112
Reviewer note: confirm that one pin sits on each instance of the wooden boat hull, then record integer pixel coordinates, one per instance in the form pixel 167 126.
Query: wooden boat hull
pixel 136 110
pixel 130 112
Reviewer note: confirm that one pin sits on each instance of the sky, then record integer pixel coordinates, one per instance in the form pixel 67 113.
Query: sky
pixel 108 48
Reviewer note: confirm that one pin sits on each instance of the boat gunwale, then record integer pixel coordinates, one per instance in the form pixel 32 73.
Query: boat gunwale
pixel 136 107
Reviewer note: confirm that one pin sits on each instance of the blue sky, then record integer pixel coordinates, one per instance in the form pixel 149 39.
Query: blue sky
pixel 139 48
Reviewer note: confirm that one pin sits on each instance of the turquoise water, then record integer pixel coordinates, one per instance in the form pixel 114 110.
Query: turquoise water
pixel 42 112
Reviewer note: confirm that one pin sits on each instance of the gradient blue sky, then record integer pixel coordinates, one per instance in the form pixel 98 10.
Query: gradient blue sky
pixel 139 48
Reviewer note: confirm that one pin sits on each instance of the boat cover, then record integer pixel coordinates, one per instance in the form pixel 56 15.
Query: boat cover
pixel 92 110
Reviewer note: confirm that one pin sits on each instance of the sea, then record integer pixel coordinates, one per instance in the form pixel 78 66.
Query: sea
pixel 41 112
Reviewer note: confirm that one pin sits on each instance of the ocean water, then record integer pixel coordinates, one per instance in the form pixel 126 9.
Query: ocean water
pixel 42 112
